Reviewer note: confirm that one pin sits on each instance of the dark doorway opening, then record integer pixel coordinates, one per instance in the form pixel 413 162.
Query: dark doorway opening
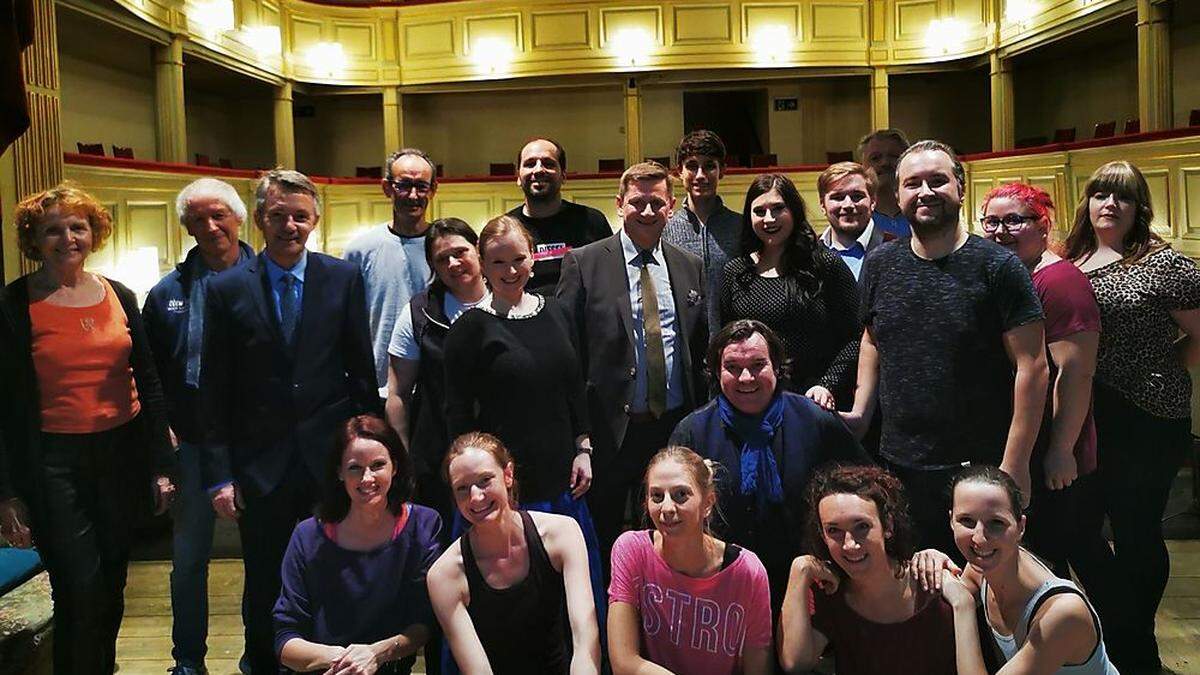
pixel 738 116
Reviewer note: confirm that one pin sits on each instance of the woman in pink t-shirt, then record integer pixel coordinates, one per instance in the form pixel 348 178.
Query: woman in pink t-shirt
pixel 682 601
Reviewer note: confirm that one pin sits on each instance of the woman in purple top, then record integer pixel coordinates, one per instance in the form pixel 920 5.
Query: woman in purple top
pixel 864 606
pixel 1020 217
pixel 353 598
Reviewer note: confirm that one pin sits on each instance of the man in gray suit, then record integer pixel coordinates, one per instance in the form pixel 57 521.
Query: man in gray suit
pixel 644 370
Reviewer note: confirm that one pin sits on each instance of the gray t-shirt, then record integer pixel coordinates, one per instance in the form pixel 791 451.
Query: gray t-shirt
pixel 394 270
pixel 716 242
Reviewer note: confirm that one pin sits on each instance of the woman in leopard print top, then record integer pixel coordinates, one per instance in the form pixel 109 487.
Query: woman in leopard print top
pixel 1149 299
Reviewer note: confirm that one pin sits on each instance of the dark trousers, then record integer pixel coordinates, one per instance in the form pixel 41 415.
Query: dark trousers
pixel 265 527
pixel 618 478
pixel 83 533
pixel 928 493
pixel 1050 522
pixel 1139 455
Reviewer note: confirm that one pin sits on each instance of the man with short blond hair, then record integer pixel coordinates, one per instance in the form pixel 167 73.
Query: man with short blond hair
pixel 645 370
pixel 846 191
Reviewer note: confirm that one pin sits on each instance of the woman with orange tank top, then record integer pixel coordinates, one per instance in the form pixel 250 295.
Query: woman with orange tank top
pixel 85 440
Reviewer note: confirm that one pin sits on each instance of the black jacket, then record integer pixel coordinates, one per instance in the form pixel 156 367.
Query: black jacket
pixel 165 314
pixel 266 405
pixel 20 401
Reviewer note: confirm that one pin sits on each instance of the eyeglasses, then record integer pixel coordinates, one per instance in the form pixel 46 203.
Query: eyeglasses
pixel 406 186
pixel 1012 222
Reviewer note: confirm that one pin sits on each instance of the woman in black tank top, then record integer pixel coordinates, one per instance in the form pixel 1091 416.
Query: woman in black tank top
pixel 513 594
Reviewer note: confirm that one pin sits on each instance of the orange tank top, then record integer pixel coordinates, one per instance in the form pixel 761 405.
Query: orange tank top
pixel 81 357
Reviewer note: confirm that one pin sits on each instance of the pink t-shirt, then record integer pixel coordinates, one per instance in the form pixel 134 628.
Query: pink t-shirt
pixel 1070 307
pixel 692 625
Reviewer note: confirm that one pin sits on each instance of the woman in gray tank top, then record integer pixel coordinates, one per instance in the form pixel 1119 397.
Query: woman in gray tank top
pixel 1040 623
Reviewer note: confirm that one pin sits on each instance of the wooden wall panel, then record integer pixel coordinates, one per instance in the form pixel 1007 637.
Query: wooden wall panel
pixel 431 39
pixel 838 21
pixel 1190 202
pixel 358 39
pixel 756 16
pixel 570 29
pixel 615 19
pixel 702 24
pixel 506 27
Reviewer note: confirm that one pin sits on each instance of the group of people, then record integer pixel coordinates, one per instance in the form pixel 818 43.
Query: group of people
pixel 841 443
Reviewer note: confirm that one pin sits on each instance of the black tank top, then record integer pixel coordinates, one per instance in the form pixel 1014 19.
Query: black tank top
pixel 522 627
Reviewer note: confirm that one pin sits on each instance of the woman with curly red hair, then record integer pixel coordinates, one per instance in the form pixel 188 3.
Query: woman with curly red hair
pixel 1020 217
pixel 85 442
pixel 854 591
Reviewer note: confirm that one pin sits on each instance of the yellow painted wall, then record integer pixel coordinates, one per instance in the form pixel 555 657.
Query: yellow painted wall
pixel 662 119
pixel 230 125
pixel 107 80
pixel 1185 59
pixel 834 113
pixel 1078 86
pixel 953 107
pixel 347 131
pixel 467 131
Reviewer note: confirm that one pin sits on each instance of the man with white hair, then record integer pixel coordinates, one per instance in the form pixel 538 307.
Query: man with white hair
pixel 212 212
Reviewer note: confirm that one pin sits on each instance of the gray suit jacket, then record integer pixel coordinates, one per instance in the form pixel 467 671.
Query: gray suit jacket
pixel 595 289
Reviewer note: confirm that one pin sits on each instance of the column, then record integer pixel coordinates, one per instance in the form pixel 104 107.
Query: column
pixel 880 116
pixel 393 120
pixel 35 160
pixel 171 121
pixel 1155 98
pixel 633 122
pixel 1003 120
pixel 285 134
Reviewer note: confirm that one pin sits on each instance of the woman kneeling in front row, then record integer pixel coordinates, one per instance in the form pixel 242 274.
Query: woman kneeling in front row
pixel 682 601
pixel 500 590
pixel 353 599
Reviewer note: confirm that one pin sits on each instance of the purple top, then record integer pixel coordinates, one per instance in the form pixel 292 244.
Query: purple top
pixel 335 596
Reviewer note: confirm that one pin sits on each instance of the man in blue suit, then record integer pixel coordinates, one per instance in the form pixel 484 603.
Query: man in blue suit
pixel 287 358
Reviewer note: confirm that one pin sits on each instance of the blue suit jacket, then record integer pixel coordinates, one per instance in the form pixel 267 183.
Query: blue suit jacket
pixel 264 405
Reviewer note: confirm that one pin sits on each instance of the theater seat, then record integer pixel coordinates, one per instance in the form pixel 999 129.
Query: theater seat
pixel 502 169
pixel 610 165
pixel 1194 118
pixel 1133 125
pixel 757 161
pixel 123 153
pixel 1064 135
pixel 835 156
pixel 1105 129
pixel 203 160
pixel 90 148
pixel 368 172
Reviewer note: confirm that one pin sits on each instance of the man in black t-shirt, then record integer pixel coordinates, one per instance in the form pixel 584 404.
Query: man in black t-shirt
pixel 557 225
pixel 949 317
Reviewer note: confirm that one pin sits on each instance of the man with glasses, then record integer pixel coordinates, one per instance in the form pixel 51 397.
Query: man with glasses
pixel 556 224
pixel 705 226
pixel 953 346
pixel 391 255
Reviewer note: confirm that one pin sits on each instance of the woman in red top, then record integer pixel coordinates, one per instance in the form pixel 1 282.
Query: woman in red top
pixel 1020 217
pixel 85 440
pixel 863 605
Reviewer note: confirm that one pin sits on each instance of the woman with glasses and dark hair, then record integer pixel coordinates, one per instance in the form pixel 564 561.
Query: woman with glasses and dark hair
pixel 1020 218
pixel 799 288
pixel 353 597
pixel 1149 299
pixel 416 377
pixel 854 595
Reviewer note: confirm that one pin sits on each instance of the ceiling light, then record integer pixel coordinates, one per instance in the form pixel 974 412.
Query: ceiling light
pixel 328 58
pixel 632 46
pixel 492 55
pixel 265 40
pixel 771 44
pixel 945 36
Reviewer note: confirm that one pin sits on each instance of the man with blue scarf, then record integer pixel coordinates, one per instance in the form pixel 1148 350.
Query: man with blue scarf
pixel 768 441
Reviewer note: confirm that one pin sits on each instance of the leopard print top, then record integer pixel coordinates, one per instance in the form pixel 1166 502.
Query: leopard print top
pixel 1137 354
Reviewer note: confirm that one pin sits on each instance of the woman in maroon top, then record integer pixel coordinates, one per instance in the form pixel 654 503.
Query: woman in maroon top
pixel 866 608
pixel 1020 217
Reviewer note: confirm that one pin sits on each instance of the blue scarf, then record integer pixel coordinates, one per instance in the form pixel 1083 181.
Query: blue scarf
pixel 760 474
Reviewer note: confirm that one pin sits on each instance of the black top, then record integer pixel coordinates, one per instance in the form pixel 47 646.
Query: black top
pixel 428 440
pixel 573 226
pixel 523 628
pixel 821 335
pixel 519 379
pixel 945 380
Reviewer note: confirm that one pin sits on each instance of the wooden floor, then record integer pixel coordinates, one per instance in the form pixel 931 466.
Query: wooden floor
pixel 144 646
